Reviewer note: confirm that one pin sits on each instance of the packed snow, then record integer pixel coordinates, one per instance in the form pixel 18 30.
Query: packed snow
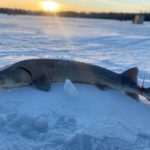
pixel 74 116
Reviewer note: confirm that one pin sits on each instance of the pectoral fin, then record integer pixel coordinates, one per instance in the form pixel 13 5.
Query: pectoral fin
pixel 42 83
pixel 101 87
pixel 134 96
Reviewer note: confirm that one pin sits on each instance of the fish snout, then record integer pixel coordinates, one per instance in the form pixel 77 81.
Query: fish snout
pixel 6 82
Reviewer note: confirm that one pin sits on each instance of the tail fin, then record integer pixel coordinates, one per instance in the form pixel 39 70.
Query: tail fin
pixel 131 75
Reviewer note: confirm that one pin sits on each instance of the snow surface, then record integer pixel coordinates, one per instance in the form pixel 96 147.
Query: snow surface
pixel 74 116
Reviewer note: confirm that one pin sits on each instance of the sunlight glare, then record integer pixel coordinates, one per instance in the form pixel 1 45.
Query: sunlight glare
pixel 50 6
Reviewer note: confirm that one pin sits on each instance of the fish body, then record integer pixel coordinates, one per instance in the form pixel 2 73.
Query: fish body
pixel 43 72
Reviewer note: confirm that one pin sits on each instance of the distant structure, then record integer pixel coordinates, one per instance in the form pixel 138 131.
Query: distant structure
pixel 138 19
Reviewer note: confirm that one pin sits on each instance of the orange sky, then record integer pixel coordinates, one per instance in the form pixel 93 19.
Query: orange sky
pixel 84 5
pixel 36 5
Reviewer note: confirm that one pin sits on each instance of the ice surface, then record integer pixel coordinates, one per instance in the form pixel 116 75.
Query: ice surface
pixel 96 120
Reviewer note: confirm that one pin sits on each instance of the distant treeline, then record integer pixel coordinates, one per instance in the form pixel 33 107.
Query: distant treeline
pixel 101 15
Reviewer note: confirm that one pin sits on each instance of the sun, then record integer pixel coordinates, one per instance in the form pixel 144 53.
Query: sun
pixel 51 6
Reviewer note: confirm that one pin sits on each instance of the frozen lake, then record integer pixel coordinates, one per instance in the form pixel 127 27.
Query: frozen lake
pixel 112 44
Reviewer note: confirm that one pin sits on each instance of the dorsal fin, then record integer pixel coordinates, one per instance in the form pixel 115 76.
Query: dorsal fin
pixel 131 74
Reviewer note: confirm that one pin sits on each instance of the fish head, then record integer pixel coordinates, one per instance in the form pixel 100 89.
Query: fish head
pixel 14 77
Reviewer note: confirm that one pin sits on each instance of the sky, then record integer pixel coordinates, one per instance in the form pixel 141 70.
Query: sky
pixel 84 5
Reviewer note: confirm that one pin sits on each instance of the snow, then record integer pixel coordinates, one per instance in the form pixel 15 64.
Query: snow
pixel 74 116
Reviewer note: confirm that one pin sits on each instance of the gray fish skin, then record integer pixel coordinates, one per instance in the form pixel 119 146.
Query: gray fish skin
pixel 42 72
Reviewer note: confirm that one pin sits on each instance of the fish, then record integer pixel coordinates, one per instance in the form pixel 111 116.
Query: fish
pixel 43 72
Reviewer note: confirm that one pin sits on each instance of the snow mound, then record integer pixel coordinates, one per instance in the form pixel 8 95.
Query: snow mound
pixel 25 132
pixel 32 119
pixel 29 127
pixel 87 142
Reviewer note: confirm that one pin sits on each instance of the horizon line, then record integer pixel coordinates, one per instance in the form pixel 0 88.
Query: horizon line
pixel 49 12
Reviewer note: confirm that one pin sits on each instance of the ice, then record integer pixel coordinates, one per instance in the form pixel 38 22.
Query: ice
pixel 31 119
pixel 69 88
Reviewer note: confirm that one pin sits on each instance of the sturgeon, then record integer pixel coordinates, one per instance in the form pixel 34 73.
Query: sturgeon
pixel 43 72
